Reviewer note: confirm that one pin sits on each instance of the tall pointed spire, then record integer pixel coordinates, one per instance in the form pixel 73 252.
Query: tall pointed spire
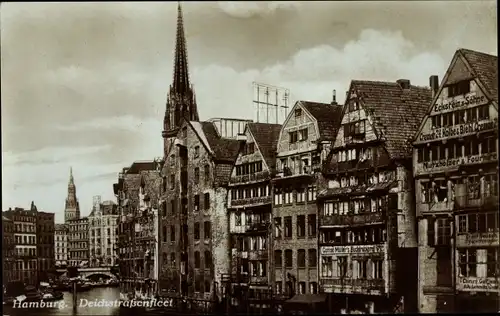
pixel 72 207
pixel 181 75
pixel 181 100
pixel 71 180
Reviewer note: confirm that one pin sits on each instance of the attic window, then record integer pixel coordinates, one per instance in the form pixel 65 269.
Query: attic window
pixel 298 112
pixel 196 151
pixel 459 88
pixel 250 148
pixel 184 132
pixel 353 106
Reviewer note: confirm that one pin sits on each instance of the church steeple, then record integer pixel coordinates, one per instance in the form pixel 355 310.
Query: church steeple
pixel 72 207
pixel 181 100
pixel 181 74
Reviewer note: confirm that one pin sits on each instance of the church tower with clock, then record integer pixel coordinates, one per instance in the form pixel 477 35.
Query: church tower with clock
pixel 181 99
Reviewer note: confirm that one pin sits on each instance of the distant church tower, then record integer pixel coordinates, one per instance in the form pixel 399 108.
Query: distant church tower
pixel 181 100
pixel 72 209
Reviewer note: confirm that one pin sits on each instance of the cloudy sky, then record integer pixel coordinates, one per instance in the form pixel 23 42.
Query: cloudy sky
pixel 84 84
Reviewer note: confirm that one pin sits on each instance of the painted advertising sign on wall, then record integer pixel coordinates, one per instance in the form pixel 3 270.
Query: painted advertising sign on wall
pixel 357 249
pixel 478 239
pixel 470 284
pixel 444 164
pixel 459 103
pixel 461 130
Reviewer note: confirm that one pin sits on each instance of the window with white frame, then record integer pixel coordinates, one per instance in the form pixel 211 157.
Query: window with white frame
pixel 301 195
pixel 288 197
pixel 378 269
pixel 328 209
pixel 278 197
pixel 467 262
pixel 311 194
pixel 327 266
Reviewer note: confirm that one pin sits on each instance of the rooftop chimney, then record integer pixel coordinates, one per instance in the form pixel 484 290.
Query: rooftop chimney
pixel 334 97
pixel 434 84
pixel 404 83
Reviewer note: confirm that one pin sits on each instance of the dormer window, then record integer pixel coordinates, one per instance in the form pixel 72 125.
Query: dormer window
pixel 459 88
pixel 353 106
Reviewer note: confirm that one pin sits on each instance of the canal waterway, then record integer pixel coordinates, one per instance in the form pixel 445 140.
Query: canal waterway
pixel 65 306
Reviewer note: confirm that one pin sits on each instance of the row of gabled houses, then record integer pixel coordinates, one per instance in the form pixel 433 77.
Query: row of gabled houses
pixel 386 203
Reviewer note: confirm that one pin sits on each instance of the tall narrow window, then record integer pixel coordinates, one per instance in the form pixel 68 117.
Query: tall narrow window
pixel 312 256
pixel 288 227
pixel 208 259
pixel 207 201
pixel 196 175
pixel 301 226
pixel 207 174
pixel 311 225
pixel 196 231
pixel 278 261
pixel 277 227
pixel 301 258
pixel 196 203
pixel 197 260
pixel 207 228
pixel 172 232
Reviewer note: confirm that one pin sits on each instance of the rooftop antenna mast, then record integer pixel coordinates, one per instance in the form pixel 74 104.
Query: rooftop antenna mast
pixel 268 98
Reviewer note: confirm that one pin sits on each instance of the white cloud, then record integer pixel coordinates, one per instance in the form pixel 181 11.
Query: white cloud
pixel 312 74
pixel 247 9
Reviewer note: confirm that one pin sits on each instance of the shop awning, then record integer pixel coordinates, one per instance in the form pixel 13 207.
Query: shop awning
pixel 307 299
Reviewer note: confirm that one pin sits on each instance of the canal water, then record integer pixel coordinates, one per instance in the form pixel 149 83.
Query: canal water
pixel 65 306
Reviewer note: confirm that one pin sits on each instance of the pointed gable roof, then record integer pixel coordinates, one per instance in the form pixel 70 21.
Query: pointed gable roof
pixel 485 68
pixel 396 112
pixel 266 136
pixel 328 117
pixel 222 149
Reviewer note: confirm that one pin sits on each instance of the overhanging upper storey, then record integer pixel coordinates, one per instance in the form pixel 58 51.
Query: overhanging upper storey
pixel 378 122
pixel 460 127
pixel 305 138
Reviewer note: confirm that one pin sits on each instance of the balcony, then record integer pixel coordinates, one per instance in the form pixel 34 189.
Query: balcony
pixel 258 254
pixel 259 280
pixel 351 220
pixel 286 172
pixel 250 178
pixel 258 227
pixel 466 201
pixel 235 278
pixel 353 285
pixel 253 201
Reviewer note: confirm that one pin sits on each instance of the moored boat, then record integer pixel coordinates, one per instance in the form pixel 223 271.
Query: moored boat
pixel 50 296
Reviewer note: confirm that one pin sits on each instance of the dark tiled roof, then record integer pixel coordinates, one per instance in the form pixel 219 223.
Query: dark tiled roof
pixel 328 117
pixel 60 227
pixel 396 112
pixel 266 136
pixel 223 149
pixel 138 166
pixel 485 68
